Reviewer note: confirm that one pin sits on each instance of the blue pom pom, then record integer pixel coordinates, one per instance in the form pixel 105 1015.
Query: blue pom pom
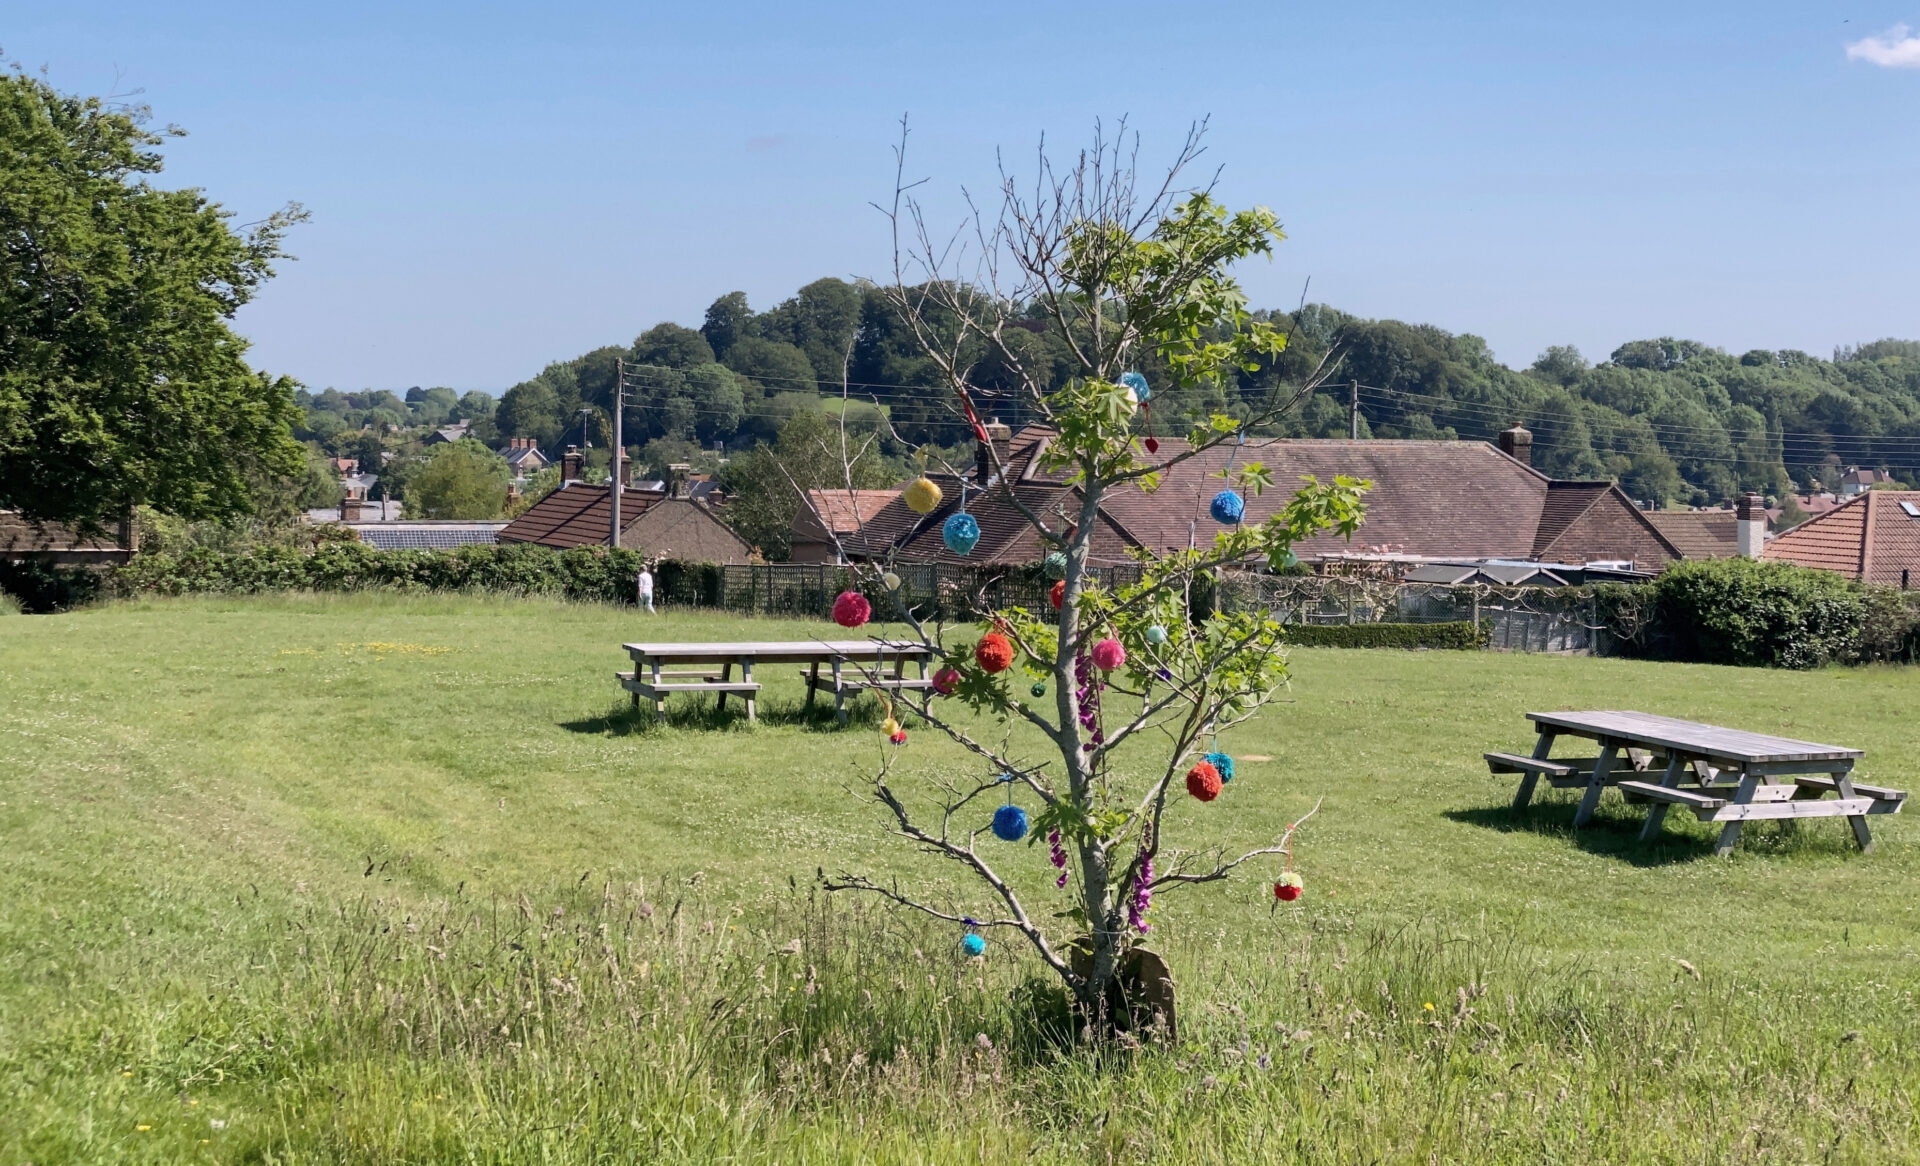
pixel 1138 384
pixel 973 945
pixel 960 533
pixel 1222 763
pixel 1055 565
pixel 1227 507
pixel 1156 635
pixel 1010 823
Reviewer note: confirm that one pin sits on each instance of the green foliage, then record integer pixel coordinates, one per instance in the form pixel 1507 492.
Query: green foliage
pixel 1738 611
pixel 121 382
pixel 809 455
pixel 41 589
pixel 462 479
pixel 1462 635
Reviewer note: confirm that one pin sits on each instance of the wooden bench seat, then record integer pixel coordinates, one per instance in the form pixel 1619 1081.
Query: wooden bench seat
pixel 850 682
pixel 1514 763
pixel 1876 792
pixel 1676 797
pixel 682 683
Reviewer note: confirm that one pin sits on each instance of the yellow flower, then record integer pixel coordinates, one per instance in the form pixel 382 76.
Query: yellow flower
pixel 143 1129
pixel 126 1072
pixel 1428 1006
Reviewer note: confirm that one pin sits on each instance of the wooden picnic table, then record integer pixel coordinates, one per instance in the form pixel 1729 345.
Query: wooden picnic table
pixel 1722 775
pixel 853 665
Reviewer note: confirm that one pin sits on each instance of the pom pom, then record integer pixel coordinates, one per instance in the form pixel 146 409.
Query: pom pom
pixel 851 609
pixel 1055 566
pixel 1227 507
pixel 1108 655
pixel 890 726
pixel 1288 887
pixel 1152 444
pixel 960 533
pixel 1057 594
pixel 1009 823
pixel 922 495
pixel 994 653
pixel 1289 560
pixel 1222 765
pixel 1203 782
pixel 891 580
pixel 898 736
pixel 1156 635
pixel 1039 688
pixel 973 944
pixel 1138 384
pixel 946 680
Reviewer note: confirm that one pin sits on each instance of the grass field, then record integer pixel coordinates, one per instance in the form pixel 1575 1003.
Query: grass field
pixel 396 879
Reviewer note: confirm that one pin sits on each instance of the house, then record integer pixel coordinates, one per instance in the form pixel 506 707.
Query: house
pixel 524 457
pixel 346 467
pixel 360 485
pixel 1859 481
pixel 1698 534
pixel 447 435
pixel 1873 537
pixel 1444 501
pixel 830 515
pixel 55 544
pixel 578 514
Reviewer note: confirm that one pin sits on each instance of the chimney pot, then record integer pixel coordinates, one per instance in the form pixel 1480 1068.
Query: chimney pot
pixel 1517 443
pixel 1749 525
pixel 571 464
pixel 1000 439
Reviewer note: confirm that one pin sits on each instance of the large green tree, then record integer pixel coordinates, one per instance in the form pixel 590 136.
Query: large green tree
pixel 463 479
pixel 121 380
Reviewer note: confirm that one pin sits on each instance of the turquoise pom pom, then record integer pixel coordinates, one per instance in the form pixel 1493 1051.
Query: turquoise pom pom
pixel 973 944
pixel 1156 635
pixel 1009 823
pixel 1222 763
pixel 1138 384
pixel 1055 566
pixel 1227 507
pixel 960 533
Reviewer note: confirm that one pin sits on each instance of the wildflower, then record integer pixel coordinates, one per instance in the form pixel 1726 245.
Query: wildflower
pixel 1428 1006
pixel 1142 897
pixel 143 1129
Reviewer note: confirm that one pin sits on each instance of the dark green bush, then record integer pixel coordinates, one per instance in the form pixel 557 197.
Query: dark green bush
pixel 41 589
pixel 1462 635
pixel 1739 611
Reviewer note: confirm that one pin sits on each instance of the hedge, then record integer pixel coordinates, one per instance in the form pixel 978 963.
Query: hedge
pixel 1463 634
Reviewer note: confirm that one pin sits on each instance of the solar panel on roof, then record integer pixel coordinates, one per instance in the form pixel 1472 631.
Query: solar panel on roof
pixel 1912 510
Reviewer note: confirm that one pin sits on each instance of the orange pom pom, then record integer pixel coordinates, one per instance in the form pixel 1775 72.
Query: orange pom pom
pixel 1057 594
pixel 994 654
pixel 1203 782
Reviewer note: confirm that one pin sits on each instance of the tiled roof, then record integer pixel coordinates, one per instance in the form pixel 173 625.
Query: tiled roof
pixel 20 535
pixel 845 511
pixel 1006 537
pixel 1566 502
pixel 394 536
pixel 1871 537
pixel 576 515
pixel 1698 534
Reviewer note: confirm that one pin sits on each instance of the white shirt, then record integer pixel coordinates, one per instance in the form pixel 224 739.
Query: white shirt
pixel 646 582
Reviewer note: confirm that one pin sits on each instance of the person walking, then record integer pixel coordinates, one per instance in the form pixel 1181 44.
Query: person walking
pixel 646 590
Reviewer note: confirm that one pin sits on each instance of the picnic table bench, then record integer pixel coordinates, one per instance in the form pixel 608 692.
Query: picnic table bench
pixel 660 670
pixel 1722 775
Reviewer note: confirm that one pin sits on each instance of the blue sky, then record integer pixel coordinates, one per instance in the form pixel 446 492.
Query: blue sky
pixel 497 186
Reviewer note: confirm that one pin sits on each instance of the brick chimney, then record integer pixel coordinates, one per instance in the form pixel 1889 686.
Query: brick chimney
pixel 352 509
pixel 626 469
pixel 571 464
pixel 1001 438
pixel 1516 443
pixel 1749 525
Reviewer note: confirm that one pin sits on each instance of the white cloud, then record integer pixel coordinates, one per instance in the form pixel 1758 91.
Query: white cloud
pixel 1896 48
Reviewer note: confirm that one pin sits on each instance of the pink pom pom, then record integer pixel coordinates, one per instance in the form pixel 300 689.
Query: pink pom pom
pixel 1108 655
pixel 851 609
pixel 946 680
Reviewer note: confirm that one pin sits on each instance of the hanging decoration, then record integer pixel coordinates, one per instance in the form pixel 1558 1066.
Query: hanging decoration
pixel 1109 654
pixel 1009 823
pixel 851 609
pixel 891 581
pixel 1227 507
pixel 946 680
pixel 1156 635
pixel 1054 566
pixel 1138 384
pixel 1142 393
pixel 1057 855
pixel 1203 782
pixel 892 729
pixel 1288 887
pixel 1222 764
pixel 994 653
pixel 961 533
pixel 1057 594
pixel 922 495
pixel 1039 688
pixel 973 945
pixel 1142 896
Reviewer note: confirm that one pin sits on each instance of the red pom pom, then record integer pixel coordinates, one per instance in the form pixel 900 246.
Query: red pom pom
pixel 1108 655
pixel 1152 444
pixel 1057 594
pixel 899 737
pixel 994 654
pixel 946 680
pixel 1286 892
pixel 851 609
pixel 1203 782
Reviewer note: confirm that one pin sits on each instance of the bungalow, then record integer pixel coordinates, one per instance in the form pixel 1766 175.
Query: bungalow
pixel 578 514
pixel 1873 537
pixel 831 516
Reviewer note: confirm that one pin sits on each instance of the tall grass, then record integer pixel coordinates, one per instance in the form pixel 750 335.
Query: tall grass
pixel 637 1023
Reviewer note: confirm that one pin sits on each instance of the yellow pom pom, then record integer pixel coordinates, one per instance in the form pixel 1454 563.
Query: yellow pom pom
pixel 922 495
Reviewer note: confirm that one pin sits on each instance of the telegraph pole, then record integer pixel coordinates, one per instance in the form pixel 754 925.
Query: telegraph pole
pixel 1353 409
pixel 619 396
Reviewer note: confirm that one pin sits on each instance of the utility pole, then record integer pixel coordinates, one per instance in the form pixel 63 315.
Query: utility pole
pixel 1353 409
pixel 619 396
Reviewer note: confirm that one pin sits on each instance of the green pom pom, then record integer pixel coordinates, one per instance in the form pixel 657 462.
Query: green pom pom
pixel 1039 688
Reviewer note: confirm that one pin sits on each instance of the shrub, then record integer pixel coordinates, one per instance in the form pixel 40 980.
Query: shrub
pixel 41 589
pixel 1738 611
pixel 1461 635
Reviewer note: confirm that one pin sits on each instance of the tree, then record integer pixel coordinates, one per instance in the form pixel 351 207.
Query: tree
pixel 672 346
pixel 121 382
pixel 812 452
pixel 728 319
pixel 1125 278
pixel 463 479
